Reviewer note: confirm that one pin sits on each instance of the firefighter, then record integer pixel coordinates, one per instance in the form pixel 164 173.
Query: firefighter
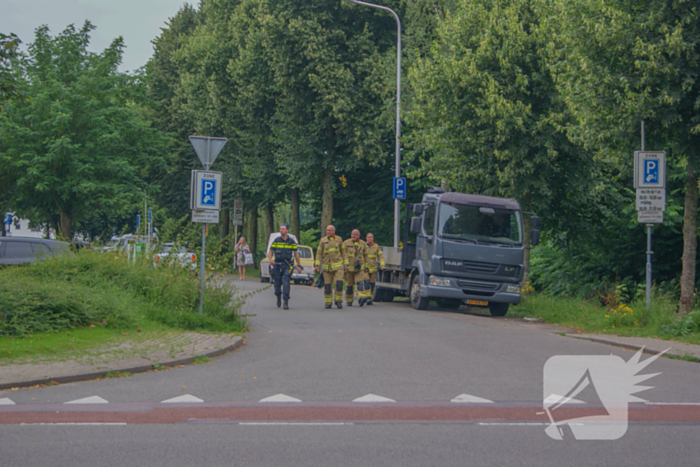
pixel 283 252
pixel 375 261
pixel 330 256
pixel 356 278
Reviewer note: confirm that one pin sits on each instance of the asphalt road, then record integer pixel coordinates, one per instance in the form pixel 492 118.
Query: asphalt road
pixel 419 362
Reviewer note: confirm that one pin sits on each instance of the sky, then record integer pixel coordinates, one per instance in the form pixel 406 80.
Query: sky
pixel 137 21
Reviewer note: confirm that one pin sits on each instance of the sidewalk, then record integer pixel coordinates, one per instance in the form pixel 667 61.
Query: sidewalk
pixel 169 351
pixel 650 345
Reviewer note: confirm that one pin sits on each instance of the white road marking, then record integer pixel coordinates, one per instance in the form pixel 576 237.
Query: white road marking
pixel 294 423
pixel 88 400
pixel 86 424
pixel 672 403
pixel 187 398
pixel 373 398
pixel 466 398
pixel 280 398
pixel 555 399
pixel 6 401
pixel 514 424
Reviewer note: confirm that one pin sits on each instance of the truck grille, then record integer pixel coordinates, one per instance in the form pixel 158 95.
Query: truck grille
pixel 485 268
pixel 477 285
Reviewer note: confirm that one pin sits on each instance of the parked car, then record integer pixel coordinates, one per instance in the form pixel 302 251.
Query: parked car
pixel 169 252
pixel 121 243
pixel 24 250
pixel 306 255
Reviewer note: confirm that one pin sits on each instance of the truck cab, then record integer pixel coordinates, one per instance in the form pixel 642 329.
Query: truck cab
pixel 469 250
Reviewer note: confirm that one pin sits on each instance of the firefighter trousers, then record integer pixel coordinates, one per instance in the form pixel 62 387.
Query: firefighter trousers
pixel 356 282
pixel 333 286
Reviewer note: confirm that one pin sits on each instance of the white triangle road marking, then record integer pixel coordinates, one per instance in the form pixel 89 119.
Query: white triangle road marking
pixel 280 398
pixel 182 399
pixel 6 401
pixel 88 400
pixel 373 398
pixel 467 398
pixel 555 398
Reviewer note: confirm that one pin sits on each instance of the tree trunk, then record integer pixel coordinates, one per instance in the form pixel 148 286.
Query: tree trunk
pixel 251 235
pixel 269 221
pixel 690 237
pixel 296 227
pixel 224 223
pixel 327 210
pixel 65 226
pixel 527 230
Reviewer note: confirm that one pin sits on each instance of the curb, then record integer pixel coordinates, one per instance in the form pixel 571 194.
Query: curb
pixel 644 348
pixel 132 370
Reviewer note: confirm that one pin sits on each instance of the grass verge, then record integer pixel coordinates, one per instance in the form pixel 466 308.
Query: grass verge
pixel 614 317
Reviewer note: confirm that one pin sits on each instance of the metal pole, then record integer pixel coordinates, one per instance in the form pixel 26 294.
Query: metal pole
pixel 397 171
pixel 649 252
pixel 204 240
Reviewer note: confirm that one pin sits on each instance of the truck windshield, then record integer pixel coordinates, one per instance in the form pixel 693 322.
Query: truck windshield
pixel 478 224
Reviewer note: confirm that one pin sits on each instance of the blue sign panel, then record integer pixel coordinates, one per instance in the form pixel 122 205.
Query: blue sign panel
pixel 8 219
pixel 651 170
pixel 399 188
pixel 208 192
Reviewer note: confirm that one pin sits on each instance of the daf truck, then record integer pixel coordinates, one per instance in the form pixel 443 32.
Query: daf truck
pixel 469 250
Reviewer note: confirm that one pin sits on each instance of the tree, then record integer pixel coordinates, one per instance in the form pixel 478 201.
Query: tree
pixel 79 144
pixel 619 63
pixel 486 113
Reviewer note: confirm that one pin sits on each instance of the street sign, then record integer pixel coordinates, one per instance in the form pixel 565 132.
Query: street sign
pixel 650 217
pixel 237 212
pixel 649 169
pixel 199 143
pixel 399 191
pixel 205 217
pixel 651 199
pixel 206 194
pixel 8 218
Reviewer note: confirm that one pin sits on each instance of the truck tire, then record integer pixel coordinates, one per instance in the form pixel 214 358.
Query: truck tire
pixel 389 295
pixel 498 309
pixel 378 294
pixel 417 302
pixel 449 303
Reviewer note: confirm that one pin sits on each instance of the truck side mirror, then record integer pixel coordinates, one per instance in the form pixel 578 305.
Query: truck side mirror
pixel 418 209
pixel 535 221
pixel 415 225
pixel 535 237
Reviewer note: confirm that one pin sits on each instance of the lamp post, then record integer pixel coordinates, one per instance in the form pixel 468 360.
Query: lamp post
pixel 398 108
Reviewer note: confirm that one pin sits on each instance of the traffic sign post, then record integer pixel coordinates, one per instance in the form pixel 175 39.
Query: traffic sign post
pixel 205 193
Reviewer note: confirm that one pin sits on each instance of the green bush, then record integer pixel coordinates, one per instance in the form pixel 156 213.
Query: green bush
pixel 90 288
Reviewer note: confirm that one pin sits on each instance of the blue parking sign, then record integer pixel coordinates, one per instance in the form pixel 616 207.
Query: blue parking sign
pixel 651 170
pixel 208 192
pixel 399 191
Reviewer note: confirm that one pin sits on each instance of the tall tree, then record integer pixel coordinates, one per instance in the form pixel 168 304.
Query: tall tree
pixel 79 144
pixel 617 63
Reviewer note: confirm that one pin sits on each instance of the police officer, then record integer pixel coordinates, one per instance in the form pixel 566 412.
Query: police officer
pixel 375 261
pixel 356 277
pixel 331 256
pixel 282 253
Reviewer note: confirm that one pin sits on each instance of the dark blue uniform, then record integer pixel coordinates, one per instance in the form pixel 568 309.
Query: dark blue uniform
pixel 284 262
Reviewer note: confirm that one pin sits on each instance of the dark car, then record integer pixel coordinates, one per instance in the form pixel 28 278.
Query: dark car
pixel 23 250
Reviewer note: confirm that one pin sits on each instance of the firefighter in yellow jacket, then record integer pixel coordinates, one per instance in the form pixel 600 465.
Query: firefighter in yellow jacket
pixel 331 256
pixel 356 277
pixel 375 261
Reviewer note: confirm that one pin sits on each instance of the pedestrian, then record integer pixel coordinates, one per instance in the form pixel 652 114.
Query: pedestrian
pixel 356 278
pixel 375 261
pixel 331 256
pixel 242 254
pixel 283 252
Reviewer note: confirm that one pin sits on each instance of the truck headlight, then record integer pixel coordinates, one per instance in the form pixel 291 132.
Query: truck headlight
pixel 513 289
pixel 440 282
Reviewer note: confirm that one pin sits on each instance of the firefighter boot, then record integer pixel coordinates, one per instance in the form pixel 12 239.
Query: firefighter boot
pixel 286 304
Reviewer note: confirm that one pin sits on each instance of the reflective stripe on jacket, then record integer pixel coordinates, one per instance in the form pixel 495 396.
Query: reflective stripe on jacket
pixel 375 258
pixel 356 250
pixel 331 252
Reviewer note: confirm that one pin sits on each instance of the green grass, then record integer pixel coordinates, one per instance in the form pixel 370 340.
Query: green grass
pixel 76 302
pixel 624 320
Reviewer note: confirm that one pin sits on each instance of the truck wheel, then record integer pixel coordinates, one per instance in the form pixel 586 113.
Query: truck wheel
pixel 379 293
pixel 449 303
pixel 389 295
pixel 418 302
pixel 498 309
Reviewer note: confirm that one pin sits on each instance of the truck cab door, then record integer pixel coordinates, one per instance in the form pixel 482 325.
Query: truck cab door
pixel 425 247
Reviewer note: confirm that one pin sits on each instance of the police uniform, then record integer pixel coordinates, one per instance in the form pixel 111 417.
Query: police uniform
pixel 356 277
pixel 331 258
pixel 284 263
pixel 375 261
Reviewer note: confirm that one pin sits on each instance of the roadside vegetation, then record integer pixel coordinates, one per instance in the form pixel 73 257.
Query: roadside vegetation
pixel 90 298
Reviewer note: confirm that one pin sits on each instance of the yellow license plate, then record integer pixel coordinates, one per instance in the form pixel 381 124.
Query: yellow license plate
pixel 477 302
